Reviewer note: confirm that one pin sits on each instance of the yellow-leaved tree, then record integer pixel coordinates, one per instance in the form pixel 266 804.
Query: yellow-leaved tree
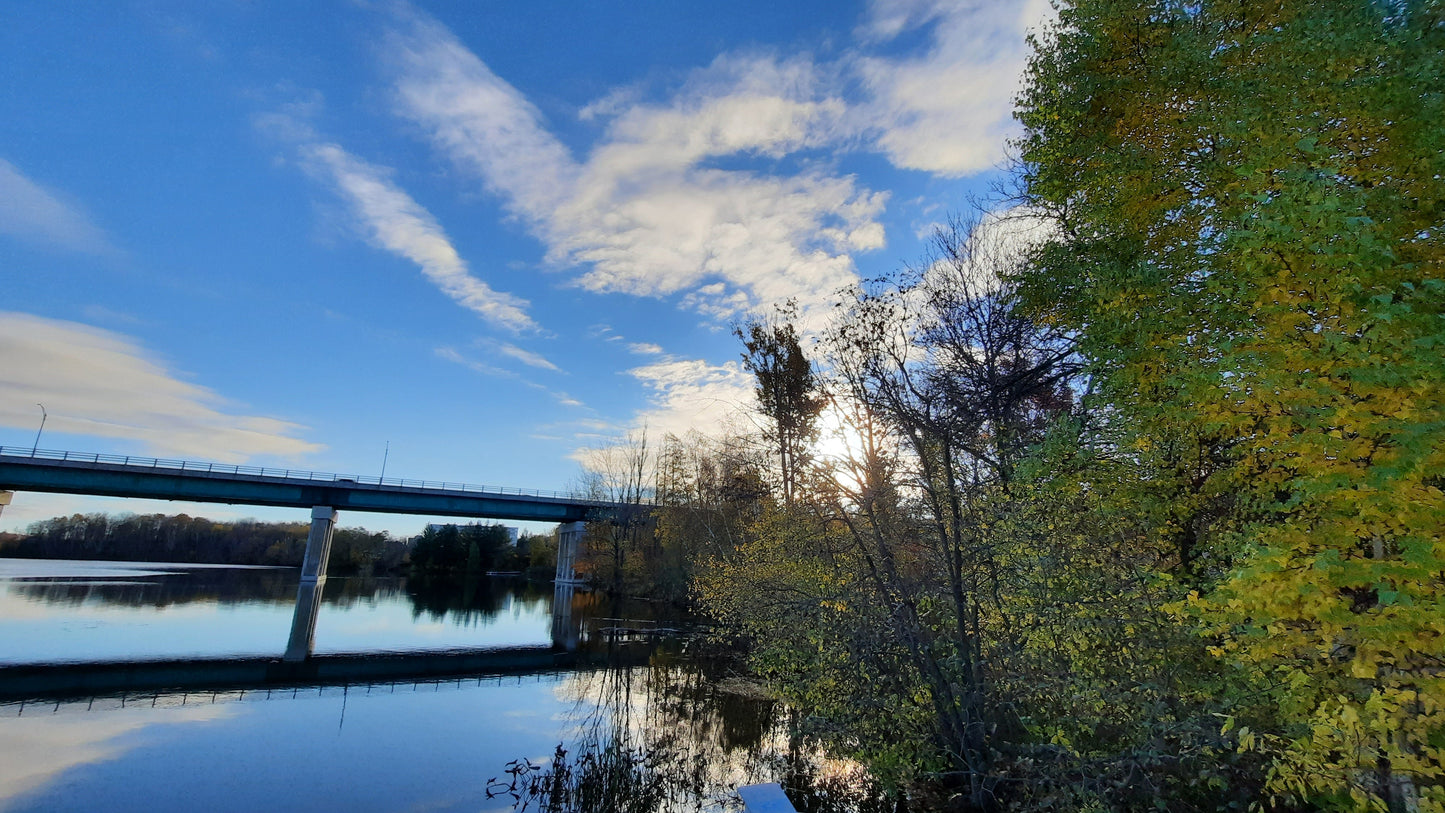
pixel 1251 197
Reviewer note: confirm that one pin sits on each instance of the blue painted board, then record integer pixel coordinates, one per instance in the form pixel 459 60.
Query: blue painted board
pixel 765 798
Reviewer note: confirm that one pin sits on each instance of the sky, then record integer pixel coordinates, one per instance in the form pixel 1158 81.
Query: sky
pixel 464 240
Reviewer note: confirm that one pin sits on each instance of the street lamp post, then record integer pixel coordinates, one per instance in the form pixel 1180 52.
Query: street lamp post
pixel 43 416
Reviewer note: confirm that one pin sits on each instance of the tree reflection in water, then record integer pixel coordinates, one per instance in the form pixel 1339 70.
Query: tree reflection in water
pixel 681 734
pixel 465 601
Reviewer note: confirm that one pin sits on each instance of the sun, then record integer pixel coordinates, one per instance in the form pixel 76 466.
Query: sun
pixel 842 442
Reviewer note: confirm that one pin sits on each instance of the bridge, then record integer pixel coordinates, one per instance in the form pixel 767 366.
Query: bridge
pixel 105 475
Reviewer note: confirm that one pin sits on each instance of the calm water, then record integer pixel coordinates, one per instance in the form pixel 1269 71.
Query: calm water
pixel 375 745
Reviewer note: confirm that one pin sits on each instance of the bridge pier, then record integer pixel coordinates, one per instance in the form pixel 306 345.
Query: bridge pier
pixel 5 499
pixel 313 575
pixel 303 621
pixel 318 543
pixel 569 539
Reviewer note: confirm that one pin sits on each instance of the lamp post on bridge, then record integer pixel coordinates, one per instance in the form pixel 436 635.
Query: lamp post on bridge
pixel 43 416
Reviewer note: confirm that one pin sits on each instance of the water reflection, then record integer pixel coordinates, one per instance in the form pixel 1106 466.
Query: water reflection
pixel 682 733
pixel 369 741
pixel 462 600
pixel 50 746
pixel 73 611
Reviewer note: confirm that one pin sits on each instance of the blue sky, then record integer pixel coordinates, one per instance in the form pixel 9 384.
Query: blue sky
pixel 491 234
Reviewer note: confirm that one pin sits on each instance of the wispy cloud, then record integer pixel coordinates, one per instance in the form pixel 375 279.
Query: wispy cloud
pixel 688 393
pixel 949 110
pixel 30 212
pixel 103 384
pixel 725 194
pixel 480 367
pixel 392 220
pixel 400 225
pixel 604 332
pixel 491 370
pixel 527 357
pixel 646 213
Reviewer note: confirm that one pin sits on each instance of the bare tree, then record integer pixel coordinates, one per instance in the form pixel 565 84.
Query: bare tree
pixel 943 366
pixel 621 474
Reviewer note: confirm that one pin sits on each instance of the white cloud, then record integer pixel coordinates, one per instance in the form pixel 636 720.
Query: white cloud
pixel 478 119
pixel 983 251
pixel 483 368
pixel 95 382
pixel 29 211
pixel 723 195
pixel 949 110
pixel 689 393
pixel 397 223
pixel 527 357
pixel 645 349
pixel 645 214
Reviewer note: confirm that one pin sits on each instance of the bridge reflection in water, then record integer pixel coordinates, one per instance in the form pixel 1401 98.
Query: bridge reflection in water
pixel 298 668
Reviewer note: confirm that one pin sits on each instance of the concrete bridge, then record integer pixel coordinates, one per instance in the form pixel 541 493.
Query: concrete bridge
pixel 105 475
pixel 155 478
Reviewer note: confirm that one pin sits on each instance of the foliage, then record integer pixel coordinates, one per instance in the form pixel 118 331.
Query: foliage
pixel 1250 204
pixel 182 538
pixel 539 552
pixel 471 549
pixel 786 391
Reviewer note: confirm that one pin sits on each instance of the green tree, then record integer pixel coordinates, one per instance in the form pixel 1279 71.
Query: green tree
pixel 1250 198
pixel 787 391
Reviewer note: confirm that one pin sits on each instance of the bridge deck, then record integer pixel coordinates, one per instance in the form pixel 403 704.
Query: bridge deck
pixel 155 478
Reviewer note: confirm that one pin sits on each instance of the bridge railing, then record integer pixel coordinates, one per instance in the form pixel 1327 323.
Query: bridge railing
pixel 152 463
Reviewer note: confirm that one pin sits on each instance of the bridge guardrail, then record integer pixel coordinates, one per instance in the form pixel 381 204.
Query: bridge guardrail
pixel 290 474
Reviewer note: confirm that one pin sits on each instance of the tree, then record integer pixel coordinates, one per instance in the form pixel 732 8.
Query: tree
pixel 787 391
pixel 1250 203
pixel 619 474
pixel 947 368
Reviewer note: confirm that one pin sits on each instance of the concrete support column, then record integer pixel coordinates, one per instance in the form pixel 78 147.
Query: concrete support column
pixel 303 621
pixel 5 499
pixel 569 539
pixel 318 543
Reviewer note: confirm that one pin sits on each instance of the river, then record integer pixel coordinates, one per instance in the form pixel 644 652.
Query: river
pixel 174 733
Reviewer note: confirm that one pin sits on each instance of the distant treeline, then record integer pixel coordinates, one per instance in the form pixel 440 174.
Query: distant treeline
pixel 183 538
pixel 474 549
pixel 441 550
